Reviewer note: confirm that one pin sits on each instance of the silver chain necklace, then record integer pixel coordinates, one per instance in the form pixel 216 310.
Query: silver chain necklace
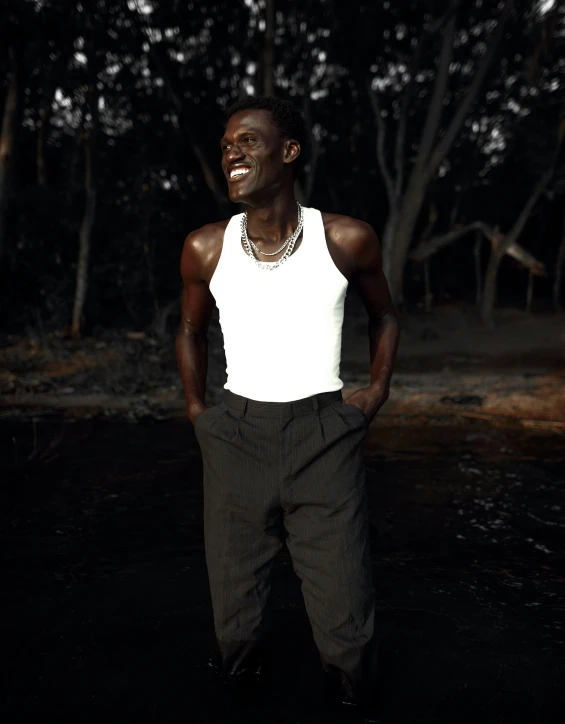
pixel 290 241
pixel 269 253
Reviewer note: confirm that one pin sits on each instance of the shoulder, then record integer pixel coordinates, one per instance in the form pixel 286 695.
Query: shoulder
pixel 355 238
pixel 201 238
pixel 200 247
pixel 347 229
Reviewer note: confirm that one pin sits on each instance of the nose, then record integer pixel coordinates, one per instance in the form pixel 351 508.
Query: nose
pixel 233 153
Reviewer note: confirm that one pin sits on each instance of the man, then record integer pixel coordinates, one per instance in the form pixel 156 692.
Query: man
pixel 282 452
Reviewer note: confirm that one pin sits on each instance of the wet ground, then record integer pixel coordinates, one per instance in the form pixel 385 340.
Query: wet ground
pixel 105 610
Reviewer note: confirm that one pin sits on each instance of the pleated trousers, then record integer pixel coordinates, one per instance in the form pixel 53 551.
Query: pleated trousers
pixel 294 471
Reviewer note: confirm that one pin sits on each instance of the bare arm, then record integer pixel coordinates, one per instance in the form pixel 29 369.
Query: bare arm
pixel 370 283
pixel 197 304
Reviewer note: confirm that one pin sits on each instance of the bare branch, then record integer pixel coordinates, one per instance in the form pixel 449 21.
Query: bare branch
pixel 268 49
pixel 407 96
pixel 526 259
pixel 442 148
pixel 7 141
pixel 515 250
pixel 423 251
pixel 433 117
pixel 163 68
pixel 314 145
pixel 409 92
pixel 520 222
pixel 401 135
pixel 381 132
pixel 560 260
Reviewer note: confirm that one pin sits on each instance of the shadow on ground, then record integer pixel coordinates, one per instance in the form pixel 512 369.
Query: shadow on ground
pixel 105 605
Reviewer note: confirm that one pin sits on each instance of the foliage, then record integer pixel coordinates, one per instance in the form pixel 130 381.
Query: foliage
pixel 165 71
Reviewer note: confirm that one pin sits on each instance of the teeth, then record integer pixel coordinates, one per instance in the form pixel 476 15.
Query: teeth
pixel 238 172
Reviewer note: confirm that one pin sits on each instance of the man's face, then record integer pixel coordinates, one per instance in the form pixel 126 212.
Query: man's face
pixel 255 157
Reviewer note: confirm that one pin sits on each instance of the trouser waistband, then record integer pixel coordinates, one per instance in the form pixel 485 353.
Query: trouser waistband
pixel 244 405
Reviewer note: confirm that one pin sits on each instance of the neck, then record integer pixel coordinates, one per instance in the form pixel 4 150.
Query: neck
pixel 272 223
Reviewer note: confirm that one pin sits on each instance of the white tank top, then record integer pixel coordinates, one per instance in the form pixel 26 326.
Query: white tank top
pixel 282 328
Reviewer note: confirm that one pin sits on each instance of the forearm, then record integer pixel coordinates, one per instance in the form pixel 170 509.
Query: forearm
pixel 383 344
pixel 192 360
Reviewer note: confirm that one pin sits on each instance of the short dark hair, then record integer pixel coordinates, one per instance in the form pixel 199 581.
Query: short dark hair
pixel 286 116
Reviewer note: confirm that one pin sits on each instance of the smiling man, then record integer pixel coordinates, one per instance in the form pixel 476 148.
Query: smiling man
pixel 282 452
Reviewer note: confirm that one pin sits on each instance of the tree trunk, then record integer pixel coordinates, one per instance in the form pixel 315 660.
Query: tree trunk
pixel 314 146
pixel 148 253
pixel 83 258
pixel 560 260
pixel 72 176
pixel 428 293
pixel 210 178
pixel 389 233
pixel 429 157
pixel 45 115
pixel 478 279
pixel 530 292
pixel 85 233
pixel 188 132
pixel 268 48
pixel 542 225
pixel 501 244
pixel 488 300
pixel 7 145
pixel 397 248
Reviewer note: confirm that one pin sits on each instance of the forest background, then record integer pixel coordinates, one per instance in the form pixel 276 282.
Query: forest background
pixel 441 123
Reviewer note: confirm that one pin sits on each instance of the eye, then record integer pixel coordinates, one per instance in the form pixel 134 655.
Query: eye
pixel 249 138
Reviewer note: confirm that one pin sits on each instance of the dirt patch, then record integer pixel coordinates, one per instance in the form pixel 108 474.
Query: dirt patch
pixel 448 366
pixel 26 364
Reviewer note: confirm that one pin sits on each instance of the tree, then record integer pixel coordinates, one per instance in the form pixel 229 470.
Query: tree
pixel 425 109
pixel 406 197
pixel 90 185
pixel 9 130
pixel 167 71
pixel 500 243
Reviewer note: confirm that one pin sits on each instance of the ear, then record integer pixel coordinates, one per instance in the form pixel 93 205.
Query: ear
pixel 291 150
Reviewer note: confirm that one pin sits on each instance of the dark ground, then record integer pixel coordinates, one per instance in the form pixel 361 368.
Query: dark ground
pixel 105 610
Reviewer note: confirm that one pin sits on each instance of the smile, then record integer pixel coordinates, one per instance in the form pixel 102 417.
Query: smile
pixel 239 172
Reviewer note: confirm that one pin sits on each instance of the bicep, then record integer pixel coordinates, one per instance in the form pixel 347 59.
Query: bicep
pixel 373 289
pixel 369 279
pixel 197 301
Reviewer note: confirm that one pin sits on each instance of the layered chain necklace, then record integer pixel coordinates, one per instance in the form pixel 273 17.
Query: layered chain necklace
pixel 290 242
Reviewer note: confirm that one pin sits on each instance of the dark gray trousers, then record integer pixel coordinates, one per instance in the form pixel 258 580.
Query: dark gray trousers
pixel 298 464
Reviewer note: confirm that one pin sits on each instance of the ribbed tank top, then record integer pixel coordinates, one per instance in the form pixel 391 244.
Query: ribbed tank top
pixel 282 328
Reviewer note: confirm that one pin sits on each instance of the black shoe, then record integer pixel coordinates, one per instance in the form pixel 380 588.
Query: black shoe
pixel 240 696
pixel 250 676
pixel 362 709
pixel 341 713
